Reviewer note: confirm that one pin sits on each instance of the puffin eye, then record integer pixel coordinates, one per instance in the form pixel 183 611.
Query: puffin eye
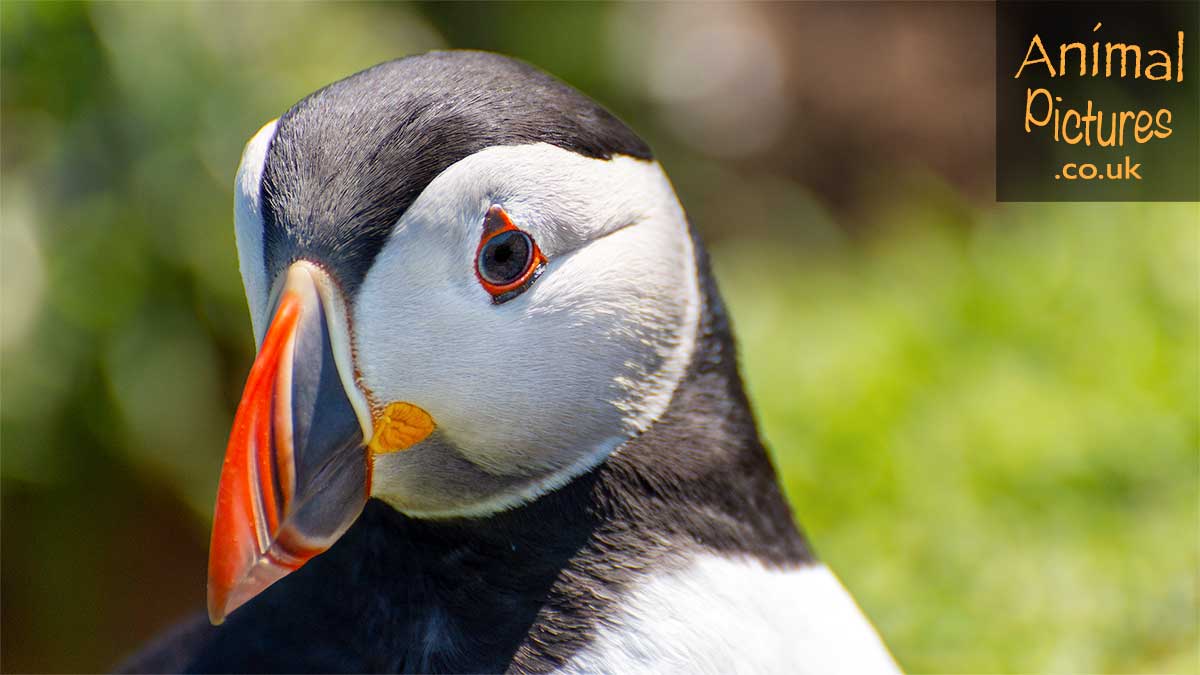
pixel 508 260
pixel 505 257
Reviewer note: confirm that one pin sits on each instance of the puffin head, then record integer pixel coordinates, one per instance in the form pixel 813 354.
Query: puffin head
pixel 469 284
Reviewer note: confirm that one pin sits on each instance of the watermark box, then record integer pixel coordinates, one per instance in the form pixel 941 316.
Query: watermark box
pixel 1098 101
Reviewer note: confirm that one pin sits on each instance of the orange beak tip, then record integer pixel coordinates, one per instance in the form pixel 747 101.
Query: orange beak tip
pixel 225 596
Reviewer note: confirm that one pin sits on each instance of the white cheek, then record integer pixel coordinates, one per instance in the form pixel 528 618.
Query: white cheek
pixel 620 312
pixel 589 355
pixel 571 363
pixel 248 225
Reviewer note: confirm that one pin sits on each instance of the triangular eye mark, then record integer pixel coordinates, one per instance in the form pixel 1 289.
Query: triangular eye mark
pixel 496 221
pixel 508 260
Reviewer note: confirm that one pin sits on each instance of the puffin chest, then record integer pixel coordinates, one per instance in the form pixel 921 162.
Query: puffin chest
pixel 725 615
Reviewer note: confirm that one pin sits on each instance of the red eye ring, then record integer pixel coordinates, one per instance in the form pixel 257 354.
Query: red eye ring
pixel 507 260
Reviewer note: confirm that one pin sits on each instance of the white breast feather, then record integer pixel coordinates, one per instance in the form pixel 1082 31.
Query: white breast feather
pixel 719 615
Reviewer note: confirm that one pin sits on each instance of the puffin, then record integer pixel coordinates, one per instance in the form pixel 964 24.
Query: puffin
pixel 495 422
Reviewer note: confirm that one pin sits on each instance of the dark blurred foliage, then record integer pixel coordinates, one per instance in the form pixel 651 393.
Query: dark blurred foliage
pixel 985 417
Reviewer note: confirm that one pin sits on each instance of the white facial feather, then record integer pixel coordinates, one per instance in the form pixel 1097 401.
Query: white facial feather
pixel 549 382
pixel 718 615
pixel 248 226
pixel 541 388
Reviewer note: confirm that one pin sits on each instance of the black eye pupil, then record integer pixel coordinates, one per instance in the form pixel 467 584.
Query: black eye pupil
pixel 505 257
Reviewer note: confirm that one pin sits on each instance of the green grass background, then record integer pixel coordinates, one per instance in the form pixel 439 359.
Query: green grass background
pixel 985 415
pixel 992 437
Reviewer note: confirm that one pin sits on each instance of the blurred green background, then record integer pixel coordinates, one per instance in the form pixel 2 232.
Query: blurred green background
pixel 986 415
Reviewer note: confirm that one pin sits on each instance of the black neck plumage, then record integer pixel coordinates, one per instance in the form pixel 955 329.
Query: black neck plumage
pixel 523 588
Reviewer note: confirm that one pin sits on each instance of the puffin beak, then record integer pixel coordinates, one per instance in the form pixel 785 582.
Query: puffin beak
pixel 297 470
